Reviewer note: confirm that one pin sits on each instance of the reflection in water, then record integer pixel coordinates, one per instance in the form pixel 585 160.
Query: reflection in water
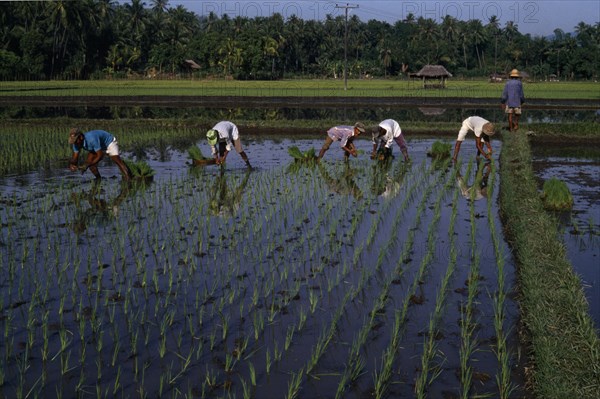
pixel 478 190
pixel 344 184
pixel 382 183
pixel 100 210
pixel 225 201
pixel 405 113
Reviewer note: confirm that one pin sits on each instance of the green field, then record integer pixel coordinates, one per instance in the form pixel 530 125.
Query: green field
pixel 317 87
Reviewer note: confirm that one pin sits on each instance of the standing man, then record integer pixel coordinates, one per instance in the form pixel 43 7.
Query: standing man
pixel 512 99
pixel 345 135
pixel 221 138
pixel 482 128
pixel 387 132
pixel 96 142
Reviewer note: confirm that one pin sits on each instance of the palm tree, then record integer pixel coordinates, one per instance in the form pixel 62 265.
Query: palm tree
pixel 477 36
pixel 493 28
pixel 385 55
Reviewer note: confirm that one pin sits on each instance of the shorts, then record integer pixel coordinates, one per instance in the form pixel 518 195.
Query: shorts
pixel 513 110
pixel 113 148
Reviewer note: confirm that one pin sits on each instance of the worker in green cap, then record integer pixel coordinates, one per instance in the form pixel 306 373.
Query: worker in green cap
pixel 222 138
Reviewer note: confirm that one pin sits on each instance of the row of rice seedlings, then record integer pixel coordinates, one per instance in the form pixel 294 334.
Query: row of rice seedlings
pixel 382 378
pixel 163 317
pixel 63 301
pixel 468 324
pixel 27 146
pixel 322 343
pixel 503 377
pixel 355 363
pixel 429 347
pixel 381 212
pixel 270 290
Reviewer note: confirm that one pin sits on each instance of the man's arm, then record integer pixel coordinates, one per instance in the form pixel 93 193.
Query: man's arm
pixel 350 149
pixel 478 141
pixel 73 162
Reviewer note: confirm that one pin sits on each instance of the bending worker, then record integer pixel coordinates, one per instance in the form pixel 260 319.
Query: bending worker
pixel 345 135
pixel 96 142
pixel 386 134
pixel 482 128
pixel 221 138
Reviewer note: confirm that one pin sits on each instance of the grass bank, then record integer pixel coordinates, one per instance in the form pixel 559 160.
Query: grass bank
pixel 564 347
pixel 479 88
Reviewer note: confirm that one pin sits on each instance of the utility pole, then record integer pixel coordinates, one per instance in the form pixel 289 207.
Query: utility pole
pixel 346 7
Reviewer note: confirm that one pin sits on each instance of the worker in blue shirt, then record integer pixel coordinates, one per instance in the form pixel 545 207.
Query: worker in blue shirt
pixel 512 99
pixel 97 143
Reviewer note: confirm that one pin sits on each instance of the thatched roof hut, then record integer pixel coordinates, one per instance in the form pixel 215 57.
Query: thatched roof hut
pixel 433 72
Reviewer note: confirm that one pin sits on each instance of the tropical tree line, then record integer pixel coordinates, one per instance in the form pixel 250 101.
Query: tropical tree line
pixel 84 39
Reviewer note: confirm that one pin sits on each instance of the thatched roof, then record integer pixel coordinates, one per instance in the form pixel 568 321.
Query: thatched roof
pixel 192 64
pixel 433 71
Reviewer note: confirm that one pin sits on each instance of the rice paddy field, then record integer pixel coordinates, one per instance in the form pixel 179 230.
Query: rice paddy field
pixel 578 169
pixel 339 280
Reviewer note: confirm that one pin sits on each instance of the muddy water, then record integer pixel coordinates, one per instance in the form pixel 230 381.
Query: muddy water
pixel 580 227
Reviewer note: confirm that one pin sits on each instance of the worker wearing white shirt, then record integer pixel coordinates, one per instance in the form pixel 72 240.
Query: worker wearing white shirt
pixel 483 130
pixel 387 133
pixel 221 138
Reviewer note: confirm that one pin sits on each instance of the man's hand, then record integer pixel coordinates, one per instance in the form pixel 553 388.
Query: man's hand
pixel 72 166
pixel 374 155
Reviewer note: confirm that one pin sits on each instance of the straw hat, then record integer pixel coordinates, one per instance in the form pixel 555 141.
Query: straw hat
pixel 360 127
pixel 489 129
pixel 515 74
pixel 73 134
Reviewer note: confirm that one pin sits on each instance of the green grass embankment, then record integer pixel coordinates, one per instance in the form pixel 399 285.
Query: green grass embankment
pixel 456 88
pixel 563 344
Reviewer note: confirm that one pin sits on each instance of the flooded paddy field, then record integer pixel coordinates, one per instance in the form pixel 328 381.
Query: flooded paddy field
pixel 349 280
pixel 579 168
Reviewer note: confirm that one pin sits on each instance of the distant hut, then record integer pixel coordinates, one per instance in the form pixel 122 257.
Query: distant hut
pixel 497 78
pixel 432 111
pixel 436 73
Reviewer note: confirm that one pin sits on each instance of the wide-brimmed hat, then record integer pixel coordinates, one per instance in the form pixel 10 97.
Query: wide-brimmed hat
pixel 212 136
pixel 73 134
pixel 515 74
pixel 489 129
pixel 360 127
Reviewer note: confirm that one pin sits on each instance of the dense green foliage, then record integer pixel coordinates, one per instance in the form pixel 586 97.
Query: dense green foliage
pixel 565 349
pixel 94 39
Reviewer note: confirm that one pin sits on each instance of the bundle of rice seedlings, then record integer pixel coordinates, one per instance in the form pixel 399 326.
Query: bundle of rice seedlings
pixel 195 153
pixel 556 195
pixel 440 150
pixel 299 156
pixel 139 169
pixel 198 157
